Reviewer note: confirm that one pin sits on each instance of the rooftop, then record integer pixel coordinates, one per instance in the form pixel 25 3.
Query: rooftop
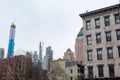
pixel 102 10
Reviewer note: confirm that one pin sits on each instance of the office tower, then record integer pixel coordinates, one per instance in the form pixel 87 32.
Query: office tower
pixel 49 52
pixel 11 40
pixel 35 57
pixel 1 53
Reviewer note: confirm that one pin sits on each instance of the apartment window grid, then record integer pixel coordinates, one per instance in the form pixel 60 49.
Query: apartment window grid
pixel 118 34
pixel 90 71
pixel 108 36
pixel 107 20
pixel 119 51
pixel 98 38
pixel 110 52
pixel 97 23
pixel 117 18
pixel 88 25
pixel 99 54
pixel 89 40
pixel 111 70
pixel 89 55
pixel 100 71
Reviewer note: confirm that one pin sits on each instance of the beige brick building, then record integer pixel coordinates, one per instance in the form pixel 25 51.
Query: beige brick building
pixel 101 42
pixel 69 55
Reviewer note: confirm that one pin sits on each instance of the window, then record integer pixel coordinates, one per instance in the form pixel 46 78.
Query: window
pixel 90 71
pixel 71 78
pixel 100 71
pixel 89 55
pixel 99 54
pixel 119 51
pixel 117 18
pixel 71 71
pixel 88 25
pixel 110 52
pixel 118 34
pixel 108 36
pixel 97 23
pixel 89 40
pixel 111 71
pixel 107 20
pixel 98 38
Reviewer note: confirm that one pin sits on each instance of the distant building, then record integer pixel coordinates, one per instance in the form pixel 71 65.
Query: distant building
pixel 49 52
pixel 11 41
pixel 79 47
pixel 45 62
pixel 99 44
pixel 35 57
pixel 2 53
pixel 69 55
pixel 47 58
pixel 29 54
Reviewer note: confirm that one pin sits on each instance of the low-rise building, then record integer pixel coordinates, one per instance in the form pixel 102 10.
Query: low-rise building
pixel 73 69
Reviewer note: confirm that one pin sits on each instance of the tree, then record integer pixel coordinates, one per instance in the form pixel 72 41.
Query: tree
pixel 57 72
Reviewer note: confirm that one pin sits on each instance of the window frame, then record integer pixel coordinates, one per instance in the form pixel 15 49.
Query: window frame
pixel 108 38
pixel 89 40
pixel 97 23
pixel 118 35
pixel 117 18
pixel 107 20
pixel 110 55
pixel 99 54
pixel 98 40
pixel 88 25
pixel 101 70
pixel 111 70
pixel 119 51
pixel 90 72
pixel 89 55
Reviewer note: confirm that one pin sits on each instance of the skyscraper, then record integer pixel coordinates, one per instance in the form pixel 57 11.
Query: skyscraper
pixel 1 53
pixel 11 40
pixel 49 52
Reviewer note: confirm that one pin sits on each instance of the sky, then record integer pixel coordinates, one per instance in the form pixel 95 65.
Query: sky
pixel 54 22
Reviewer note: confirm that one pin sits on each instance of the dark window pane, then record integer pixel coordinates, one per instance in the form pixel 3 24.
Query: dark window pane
pixel 89 55
pixel 110 53
pixel 99 54
pixel 118 34
pixel 97 23
pixel 117 18
pixel 107 21
pixel 119 51
pixel 90 71
pixel 89 40
pixel 111 71
pixel 88 25
pixel 100 71
pixel 108 36
pixel 98 38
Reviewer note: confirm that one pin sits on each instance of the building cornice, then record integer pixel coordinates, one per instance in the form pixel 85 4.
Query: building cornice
pixel 102 10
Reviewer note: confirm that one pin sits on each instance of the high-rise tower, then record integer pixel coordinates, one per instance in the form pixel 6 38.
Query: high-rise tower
pixel 11 40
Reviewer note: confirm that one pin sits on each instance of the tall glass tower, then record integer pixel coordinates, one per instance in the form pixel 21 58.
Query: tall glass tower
pixel 11 40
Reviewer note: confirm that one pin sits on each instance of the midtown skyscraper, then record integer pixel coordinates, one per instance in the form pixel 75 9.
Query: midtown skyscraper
pixel 11 40
pixel 2 53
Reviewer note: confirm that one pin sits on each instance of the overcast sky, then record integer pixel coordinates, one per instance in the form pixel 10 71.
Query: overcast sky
pixel 54 22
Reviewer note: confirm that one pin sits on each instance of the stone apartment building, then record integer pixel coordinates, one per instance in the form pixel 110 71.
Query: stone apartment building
pixel 99 42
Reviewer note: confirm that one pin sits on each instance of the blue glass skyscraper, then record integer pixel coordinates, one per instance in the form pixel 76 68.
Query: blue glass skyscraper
pixel 11 41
